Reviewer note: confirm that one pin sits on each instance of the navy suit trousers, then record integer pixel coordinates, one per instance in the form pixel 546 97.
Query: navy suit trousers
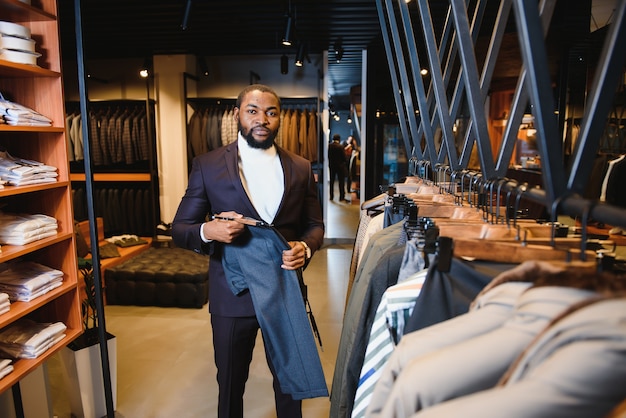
pixel 253 263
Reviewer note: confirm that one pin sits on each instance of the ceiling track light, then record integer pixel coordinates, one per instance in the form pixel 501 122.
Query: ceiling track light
pixel 339 55
pixel 146 69
pixel 338 50
pixel 185 21
pixel 289 24
pixel 300 55
pixel 288 27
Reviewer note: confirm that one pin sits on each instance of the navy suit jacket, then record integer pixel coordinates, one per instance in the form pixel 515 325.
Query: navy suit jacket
pixel 215 186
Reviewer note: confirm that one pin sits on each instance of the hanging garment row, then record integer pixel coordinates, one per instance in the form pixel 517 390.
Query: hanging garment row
pixel 612 140
pixel 118 131
pixel 516 352
pixel 607 176
pixel 212 126
pixel 408 274
pixel 124 209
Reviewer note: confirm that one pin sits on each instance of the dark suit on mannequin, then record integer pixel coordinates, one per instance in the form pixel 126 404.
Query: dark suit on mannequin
pixel 215 186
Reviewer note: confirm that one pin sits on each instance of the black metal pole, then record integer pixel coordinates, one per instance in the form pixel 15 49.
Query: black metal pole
pixel 93 227
pixel 154 176
pixel 17 400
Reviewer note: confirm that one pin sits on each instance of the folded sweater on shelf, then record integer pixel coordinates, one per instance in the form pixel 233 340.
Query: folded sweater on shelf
pixel 29 339
pixel 23 281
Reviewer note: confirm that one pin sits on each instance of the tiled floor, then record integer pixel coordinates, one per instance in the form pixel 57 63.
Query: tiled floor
pixel 165 358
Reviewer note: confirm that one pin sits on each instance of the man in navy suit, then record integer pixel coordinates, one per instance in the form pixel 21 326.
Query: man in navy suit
pixel 252 178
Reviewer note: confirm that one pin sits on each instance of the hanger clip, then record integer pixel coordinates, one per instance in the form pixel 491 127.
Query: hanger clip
pixel 445 250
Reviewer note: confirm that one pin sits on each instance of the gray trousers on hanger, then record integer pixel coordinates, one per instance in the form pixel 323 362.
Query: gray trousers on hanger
pixel 253 263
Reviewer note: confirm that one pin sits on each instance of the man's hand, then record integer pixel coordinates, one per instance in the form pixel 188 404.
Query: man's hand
pixel 295 257
pixel 223 227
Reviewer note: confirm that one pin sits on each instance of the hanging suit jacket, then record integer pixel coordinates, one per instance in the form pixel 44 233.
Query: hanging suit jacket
pixel 615 183
pixel 312 136
pixel 575 368
pixel 293 145
pixel 447 294
pixel 489 311
pixel 303 148
pixel 380 242
pixel 285 129
pixel 215 186
pixel 479 362
pixel 385 274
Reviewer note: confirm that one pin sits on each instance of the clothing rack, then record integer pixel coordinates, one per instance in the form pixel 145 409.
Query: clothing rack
pixel 126 207
pixel 121 137
pixel 563 182
pixel 125 187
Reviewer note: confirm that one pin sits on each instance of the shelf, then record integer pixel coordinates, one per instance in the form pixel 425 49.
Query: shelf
pixel 10 252
pixel 13 69
pixel 112 177
pixel 17 190
pixel 17 11
pixel 21 309
pixel 24 366
pixel 39 129
pixel 40 89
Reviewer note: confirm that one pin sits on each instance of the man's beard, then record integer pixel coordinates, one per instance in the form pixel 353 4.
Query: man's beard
pixel 253 143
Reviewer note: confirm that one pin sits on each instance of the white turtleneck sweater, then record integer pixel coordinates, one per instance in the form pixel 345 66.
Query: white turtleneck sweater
pixel 262 177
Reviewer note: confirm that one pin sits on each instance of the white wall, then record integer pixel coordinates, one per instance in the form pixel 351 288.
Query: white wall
pixel 171 130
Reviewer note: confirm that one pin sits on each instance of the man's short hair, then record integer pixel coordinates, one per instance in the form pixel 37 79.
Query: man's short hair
pixel 336 137
pixel 253 87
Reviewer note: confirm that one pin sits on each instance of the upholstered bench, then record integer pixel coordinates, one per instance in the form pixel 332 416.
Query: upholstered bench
pixel 160 277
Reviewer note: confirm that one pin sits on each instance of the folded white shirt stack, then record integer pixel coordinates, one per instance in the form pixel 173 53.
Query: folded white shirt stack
pixel 22 172
pixel 21 229
pixel 6 367
pixel 25 280
pixel 29 339
pixel 17 114
pixel 5 303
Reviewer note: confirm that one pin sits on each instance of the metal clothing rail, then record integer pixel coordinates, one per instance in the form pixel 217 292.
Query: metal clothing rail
pixel 439 104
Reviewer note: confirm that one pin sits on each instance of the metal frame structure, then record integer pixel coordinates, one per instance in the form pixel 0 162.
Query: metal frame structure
pixel 562 186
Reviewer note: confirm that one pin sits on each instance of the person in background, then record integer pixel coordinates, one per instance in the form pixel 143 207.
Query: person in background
pixel 249 178
pixel 352 150
pixel 349 146
pixel 338 167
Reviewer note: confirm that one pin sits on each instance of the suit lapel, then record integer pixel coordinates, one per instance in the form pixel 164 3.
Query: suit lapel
pixel 285 163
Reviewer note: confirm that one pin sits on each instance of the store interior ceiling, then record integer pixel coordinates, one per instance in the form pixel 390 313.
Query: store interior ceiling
pixel 117 29
pixel 131 28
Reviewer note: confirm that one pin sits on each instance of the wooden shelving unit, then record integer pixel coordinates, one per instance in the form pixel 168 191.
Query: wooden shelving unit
pixel 40 88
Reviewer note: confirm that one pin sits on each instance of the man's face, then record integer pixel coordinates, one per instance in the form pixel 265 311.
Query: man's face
pixel 258 119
